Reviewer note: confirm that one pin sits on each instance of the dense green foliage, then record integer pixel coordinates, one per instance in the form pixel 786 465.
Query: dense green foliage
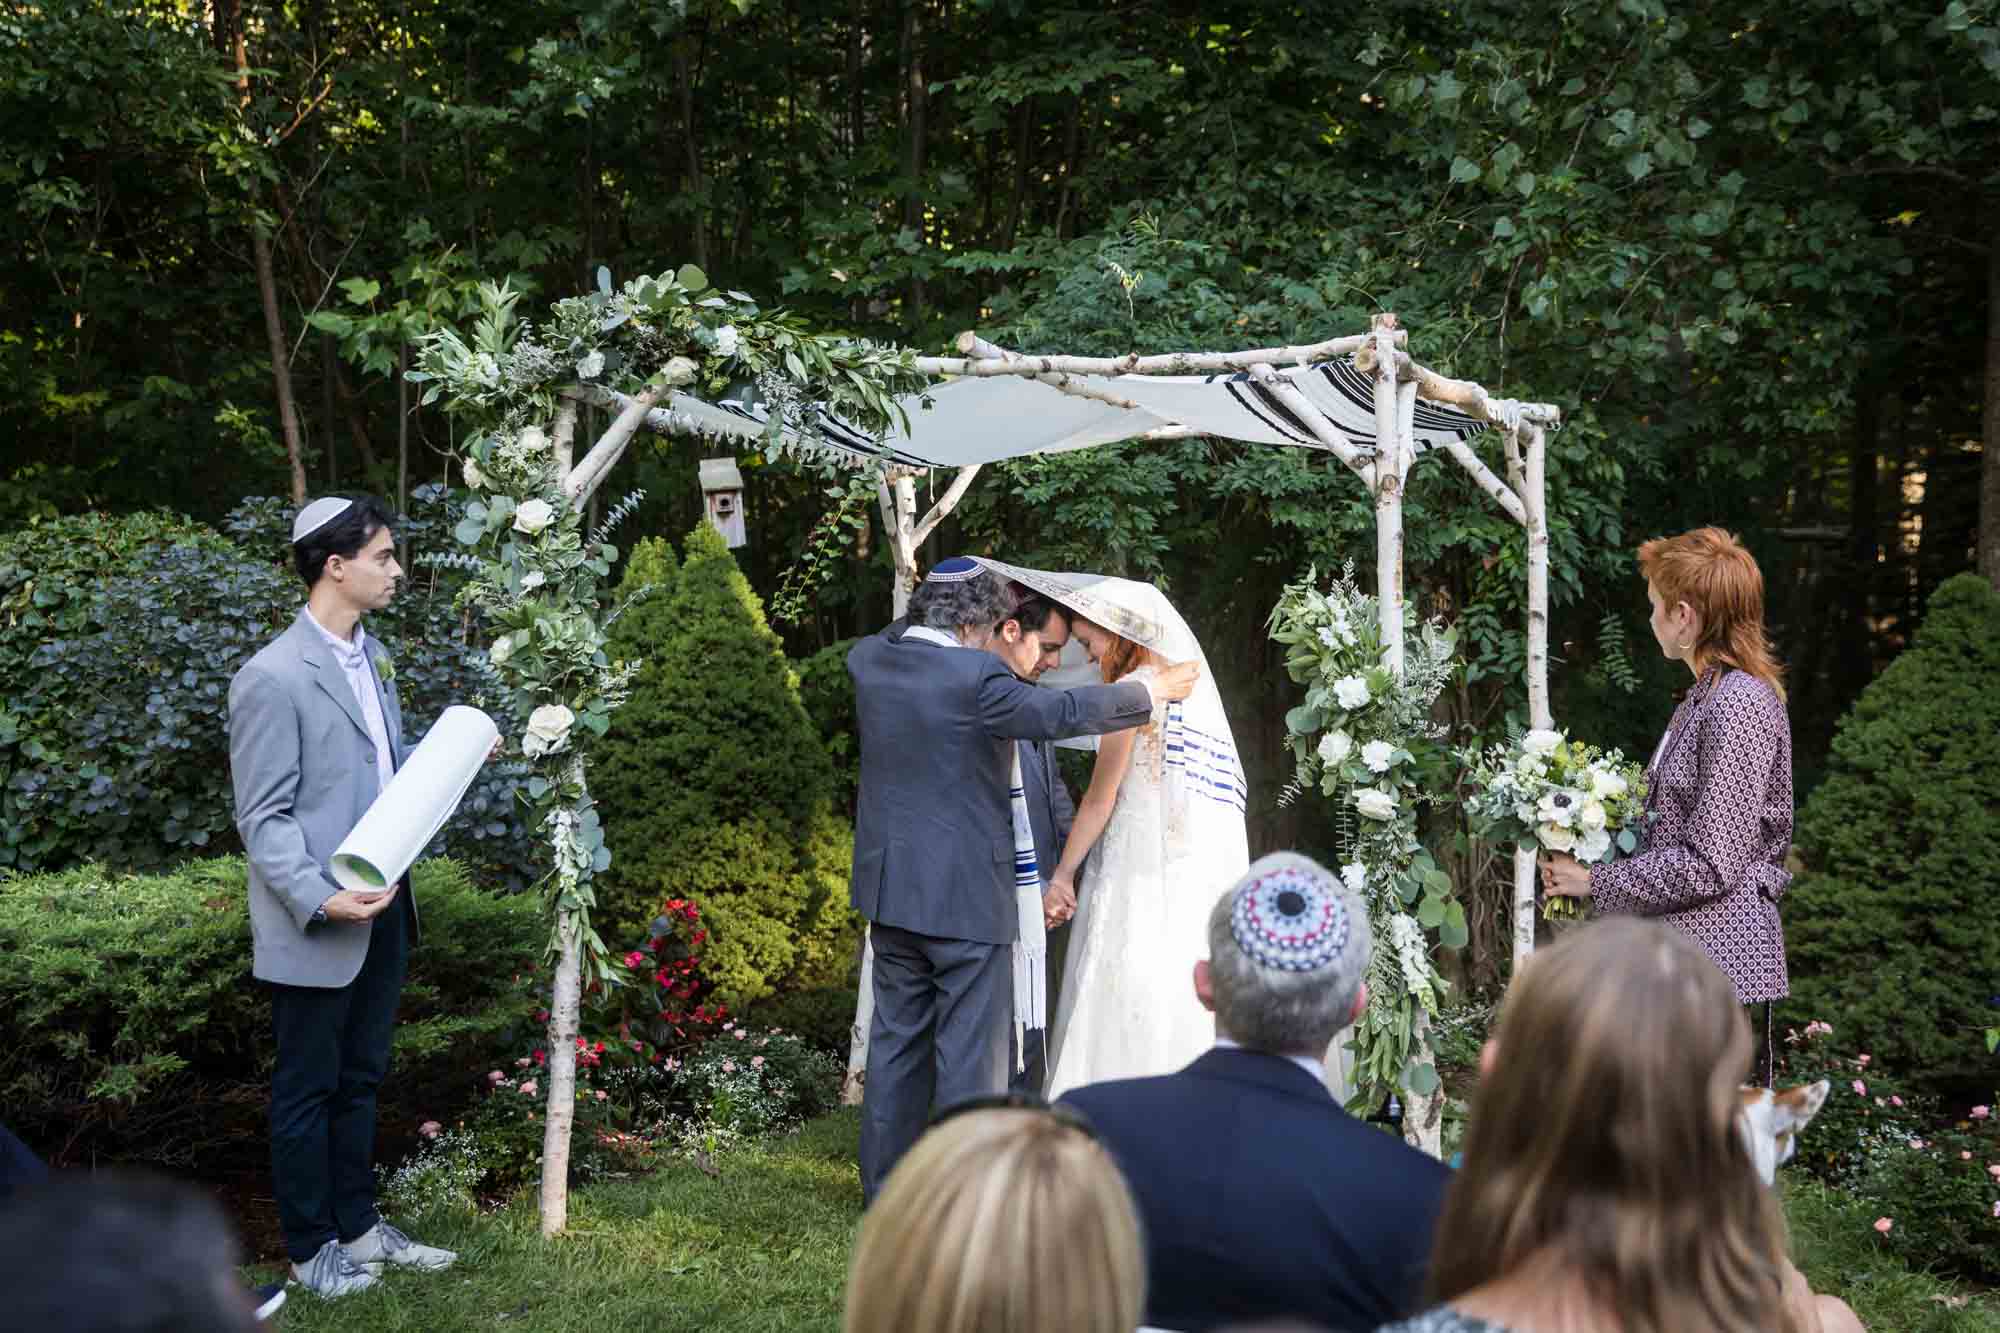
pixel 122 636
pixel 713 785
pixel 132 1025
pixel 1892 931
pixel 827 692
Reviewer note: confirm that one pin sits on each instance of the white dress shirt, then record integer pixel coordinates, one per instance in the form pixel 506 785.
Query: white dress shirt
pixel 352 655
pixel 1305 1062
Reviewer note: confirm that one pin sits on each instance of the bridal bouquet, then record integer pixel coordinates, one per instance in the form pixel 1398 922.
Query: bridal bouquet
pixel 1545 790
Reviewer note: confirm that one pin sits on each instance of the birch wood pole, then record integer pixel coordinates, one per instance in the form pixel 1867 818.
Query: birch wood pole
pixel 1170 363
pixel 565 1005
pixel 904 536
pixel 1533 470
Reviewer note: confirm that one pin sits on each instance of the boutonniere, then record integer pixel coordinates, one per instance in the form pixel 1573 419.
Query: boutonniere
pixel 385 667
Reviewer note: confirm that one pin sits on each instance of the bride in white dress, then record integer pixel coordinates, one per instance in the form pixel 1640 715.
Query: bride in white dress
pixel 1163 833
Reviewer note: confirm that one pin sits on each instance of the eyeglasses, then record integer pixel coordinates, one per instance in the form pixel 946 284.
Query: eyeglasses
pixel 1016 1101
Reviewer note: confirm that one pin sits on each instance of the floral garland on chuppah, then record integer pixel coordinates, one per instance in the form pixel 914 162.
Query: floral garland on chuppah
pixel 540 578
pixel 1364 738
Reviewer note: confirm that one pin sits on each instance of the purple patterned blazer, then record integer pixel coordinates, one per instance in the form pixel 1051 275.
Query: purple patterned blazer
pixel 1719 791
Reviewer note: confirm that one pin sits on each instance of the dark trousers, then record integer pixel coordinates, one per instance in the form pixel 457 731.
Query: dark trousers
pixel 333 1049
pixel 942 1012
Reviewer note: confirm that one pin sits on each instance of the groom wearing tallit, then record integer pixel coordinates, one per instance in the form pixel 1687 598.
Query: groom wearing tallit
pixel 935 843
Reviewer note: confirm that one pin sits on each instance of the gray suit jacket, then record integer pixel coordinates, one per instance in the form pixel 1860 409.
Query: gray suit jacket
pixel 933 836
pixel 303 766
pixel 1050 809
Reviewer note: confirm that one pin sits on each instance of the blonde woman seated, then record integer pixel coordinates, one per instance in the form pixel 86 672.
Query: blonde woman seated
pixel 1607 1187
pixel 1006 1217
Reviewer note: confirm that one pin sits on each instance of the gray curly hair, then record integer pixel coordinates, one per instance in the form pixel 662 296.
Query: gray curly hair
pixel 980 603
pixel 1268 1008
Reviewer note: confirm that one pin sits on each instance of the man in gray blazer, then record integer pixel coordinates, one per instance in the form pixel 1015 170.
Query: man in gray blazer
pixel 315 731
pixel 934 845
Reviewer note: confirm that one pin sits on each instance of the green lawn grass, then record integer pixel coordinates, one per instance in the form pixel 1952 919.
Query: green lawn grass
pixel 1833 1242
pixel 763 1246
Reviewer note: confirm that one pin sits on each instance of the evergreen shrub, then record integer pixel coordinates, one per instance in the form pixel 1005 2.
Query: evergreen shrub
pixel 1892 931
pixel 129 1017
pixel 712 783
pixel 827 692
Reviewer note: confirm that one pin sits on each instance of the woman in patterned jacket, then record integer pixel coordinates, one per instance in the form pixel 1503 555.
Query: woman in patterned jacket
pixel 1719 787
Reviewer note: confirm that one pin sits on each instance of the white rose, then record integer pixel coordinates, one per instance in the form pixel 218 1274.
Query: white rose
pixel 533 516
pixel 1556 838
pixel 1592 818
pixel 1605 785
pixel 1593 846
pixel 1352 691
pixel 1541 742
pixel 473 476
pixel 1334 747
pixel 532 580
pixel 1558 807
pixel 590 367
pixel 1355 876
pixel 533 439
pixel 548 729
pixel 726 340
pixel 1375 804
pixel 502 649
pixel 678 371
pixel 1376 754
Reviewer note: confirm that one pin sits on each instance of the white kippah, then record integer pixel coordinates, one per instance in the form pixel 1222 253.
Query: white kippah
pixel 317 515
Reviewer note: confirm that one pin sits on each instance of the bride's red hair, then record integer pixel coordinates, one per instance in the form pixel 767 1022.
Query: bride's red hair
pixel 1710 571
pixel 1121 658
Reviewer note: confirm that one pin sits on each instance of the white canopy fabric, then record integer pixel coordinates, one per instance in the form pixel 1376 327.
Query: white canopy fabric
pixel 986 419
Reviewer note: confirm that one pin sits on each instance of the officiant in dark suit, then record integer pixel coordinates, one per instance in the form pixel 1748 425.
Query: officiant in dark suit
pixel 934 844
pixel 1260 1197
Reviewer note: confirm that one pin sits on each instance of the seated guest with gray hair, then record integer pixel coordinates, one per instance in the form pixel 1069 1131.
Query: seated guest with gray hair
pixel 1260 1197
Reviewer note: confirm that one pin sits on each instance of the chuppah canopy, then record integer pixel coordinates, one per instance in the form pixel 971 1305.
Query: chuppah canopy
pixel 986 419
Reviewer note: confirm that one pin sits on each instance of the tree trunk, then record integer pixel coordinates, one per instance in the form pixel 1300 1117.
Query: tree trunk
pixel 684 80
pixel 1017 198
pixel 1857 645
pixel 267 278
pixel 1072 129
pixel 1989 461
pixel 915 113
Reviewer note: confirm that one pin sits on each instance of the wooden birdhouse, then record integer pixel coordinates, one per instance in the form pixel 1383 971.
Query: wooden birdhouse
pixel 722 492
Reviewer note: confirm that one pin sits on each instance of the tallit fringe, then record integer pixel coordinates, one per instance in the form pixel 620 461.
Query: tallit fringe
pixel 1031 971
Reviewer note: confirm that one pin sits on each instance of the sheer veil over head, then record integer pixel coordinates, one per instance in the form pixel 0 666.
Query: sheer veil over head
pixel 1201 749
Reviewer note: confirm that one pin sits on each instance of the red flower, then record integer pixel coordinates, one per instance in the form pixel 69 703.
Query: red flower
pixel 634 958
pixel 541 1056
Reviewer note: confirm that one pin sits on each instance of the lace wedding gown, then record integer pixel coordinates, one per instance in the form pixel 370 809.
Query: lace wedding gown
pixel 1169 850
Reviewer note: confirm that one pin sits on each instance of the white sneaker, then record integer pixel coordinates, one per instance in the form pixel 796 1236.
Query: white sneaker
pixel 331 1273
pixel 383 1244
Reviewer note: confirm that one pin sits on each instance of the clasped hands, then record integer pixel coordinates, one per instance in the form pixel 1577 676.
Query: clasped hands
pixel 1058 901
pixel 1563 876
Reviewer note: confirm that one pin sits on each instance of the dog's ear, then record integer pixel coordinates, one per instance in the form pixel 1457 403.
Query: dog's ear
pixel 1794 1108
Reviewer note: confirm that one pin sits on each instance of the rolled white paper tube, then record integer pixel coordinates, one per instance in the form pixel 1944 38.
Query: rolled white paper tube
pixel 413 807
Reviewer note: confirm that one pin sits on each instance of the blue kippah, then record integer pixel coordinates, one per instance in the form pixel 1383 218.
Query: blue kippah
pixel 1290 919
pixel 957 569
